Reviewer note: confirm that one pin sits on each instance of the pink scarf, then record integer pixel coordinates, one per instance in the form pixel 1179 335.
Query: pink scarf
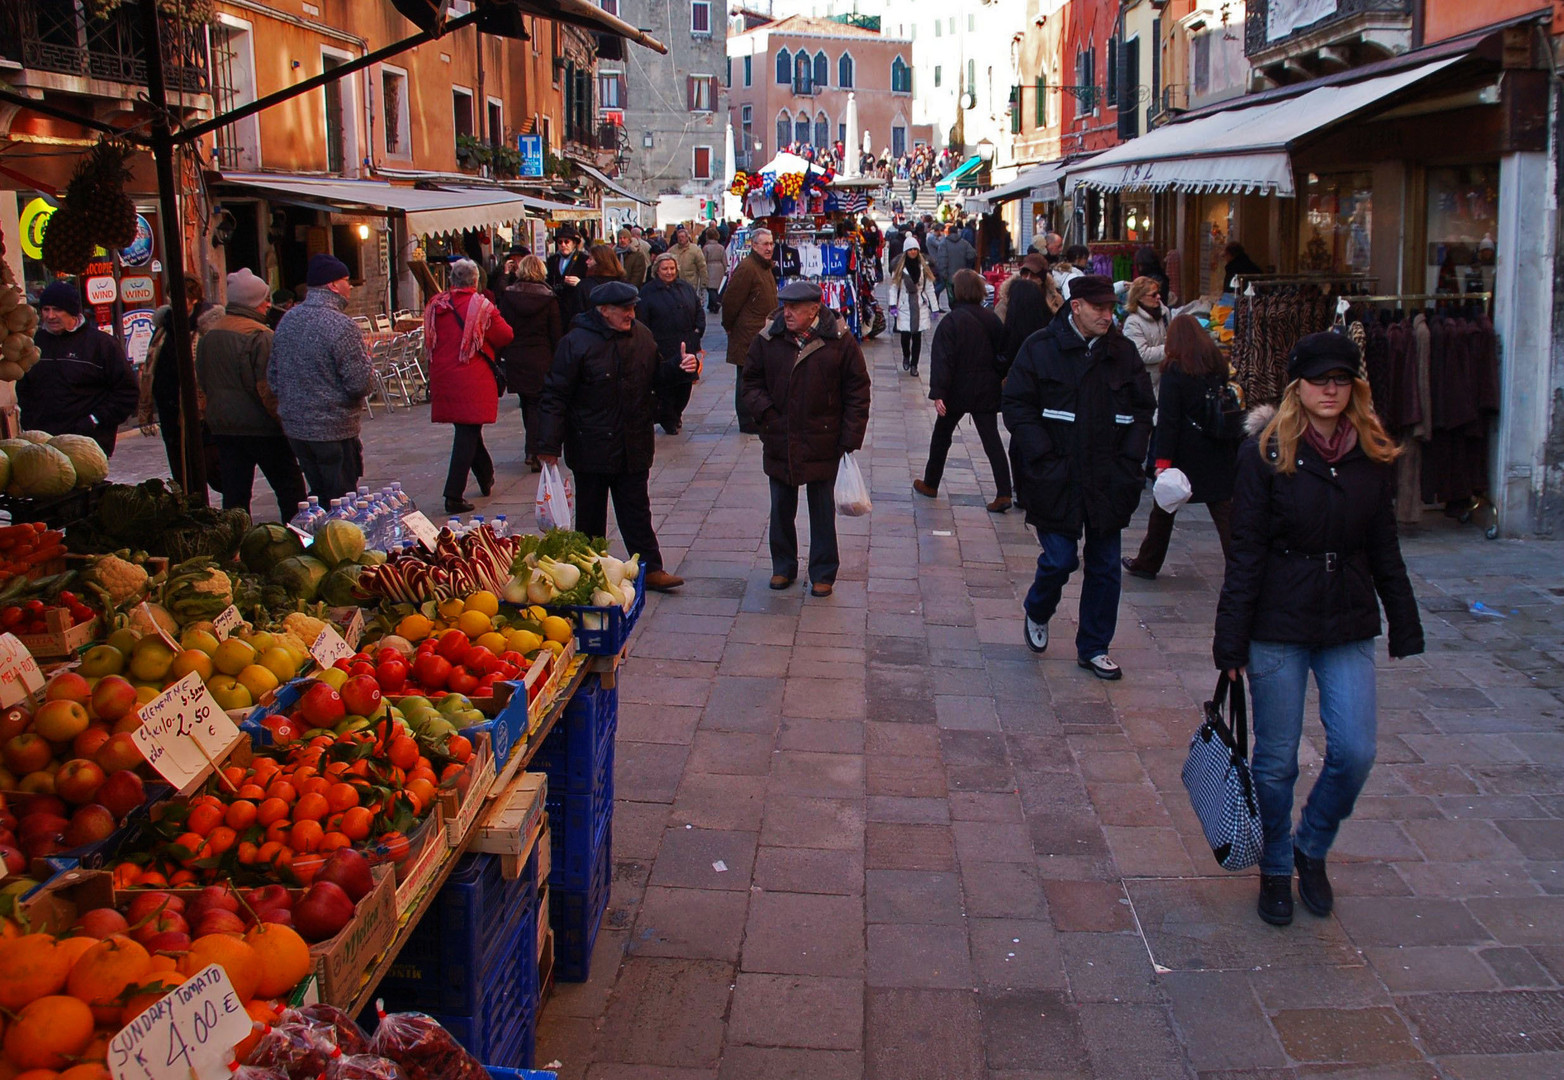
pixel 1339 445
pixel 475 322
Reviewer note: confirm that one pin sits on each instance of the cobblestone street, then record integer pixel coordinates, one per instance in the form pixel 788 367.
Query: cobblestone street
pixel 874 836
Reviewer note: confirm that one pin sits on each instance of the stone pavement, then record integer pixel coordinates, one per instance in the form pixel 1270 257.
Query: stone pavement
pixel 875 836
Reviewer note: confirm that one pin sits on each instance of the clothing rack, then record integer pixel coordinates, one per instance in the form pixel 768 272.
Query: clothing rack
pixel 1397 298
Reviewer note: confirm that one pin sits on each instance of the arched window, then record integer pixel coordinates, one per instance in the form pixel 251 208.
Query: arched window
pixel 901 77
pixel 822 132
pixel 803 74
pixel 822 71
pixel 801 131
pixel 784 130
pixel 844 71
pixel 784 66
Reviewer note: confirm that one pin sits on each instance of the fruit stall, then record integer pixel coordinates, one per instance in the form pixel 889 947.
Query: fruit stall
pixel 330 800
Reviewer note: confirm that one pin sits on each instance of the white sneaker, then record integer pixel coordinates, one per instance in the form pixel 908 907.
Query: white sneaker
pixel 1036 635
pixel 1102 667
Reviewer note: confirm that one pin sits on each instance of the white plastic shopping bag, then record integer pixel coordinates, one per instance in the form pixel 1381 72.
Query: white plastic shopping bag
pixel 554 503
pixel 1172 490
pixel 852 494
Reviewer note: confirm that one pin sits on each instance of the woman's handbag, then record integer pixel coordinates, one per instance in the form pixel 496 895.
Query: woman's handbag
pixel 1216 775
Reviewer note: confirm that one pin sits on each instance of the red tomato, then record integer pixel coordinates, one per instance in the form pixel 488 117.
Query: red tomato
pixel 461 681
pixel 431 671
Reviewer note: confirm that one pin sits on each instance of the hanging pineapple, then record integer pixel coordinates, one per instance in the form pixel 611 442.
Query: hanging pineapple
pixel 17 323
pixel 67 241
pixel 96 211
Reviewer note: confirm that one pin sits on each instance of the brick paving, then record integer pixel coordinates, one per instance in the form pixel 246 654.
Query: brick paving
pixel 946 858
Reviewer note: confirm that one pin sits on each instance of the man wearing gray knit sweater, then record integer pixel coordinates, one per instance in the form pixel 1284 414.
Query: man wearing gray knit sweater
pixel 321 373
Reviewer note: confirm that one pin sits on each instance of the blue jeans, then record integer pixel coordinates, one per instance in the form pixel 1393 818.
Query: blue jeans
pixel 1278 681
pixel 1099 588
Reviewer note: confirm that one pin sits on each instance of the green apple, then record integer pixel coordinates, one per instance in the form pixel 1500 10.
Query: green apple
pixel 101 660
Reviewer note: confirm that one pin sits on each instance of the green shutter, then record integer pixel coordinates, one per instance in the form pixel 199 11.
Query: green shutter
pixel 1040 107
pixel 1015 110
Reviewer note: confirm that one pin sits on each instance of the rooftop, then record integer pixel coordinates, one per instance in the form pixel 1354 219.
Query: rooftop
pixel 808 26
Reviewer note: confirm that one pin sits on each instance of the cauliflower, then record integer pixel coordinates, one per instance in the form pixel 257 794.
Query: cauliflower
pixel 305 627
pixel 121 582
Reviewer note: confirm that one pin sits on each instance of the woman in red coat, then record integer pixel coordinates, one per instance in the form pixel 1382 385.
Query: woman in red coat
pixel 464 332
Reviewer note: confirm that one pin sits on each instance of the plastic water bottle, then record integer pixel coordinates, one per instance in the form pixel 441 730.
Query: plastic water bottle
pixel 501 526
pixel 476 523
pixel 403 498
pixel 301 520
pixel 455 525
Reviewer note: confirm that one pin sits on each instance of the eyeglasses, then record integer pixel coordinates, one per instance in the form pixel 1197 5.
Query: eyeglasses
pixel 1332 380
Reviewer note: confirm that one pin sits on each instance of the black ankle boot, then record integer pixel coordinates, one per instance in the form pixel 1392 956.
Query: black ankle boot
pixel 1275 905
pixel 1313 886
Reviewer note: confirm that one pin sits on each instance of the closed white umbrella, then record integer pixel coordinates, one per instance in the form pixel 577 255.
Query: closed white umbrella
pixel 850 144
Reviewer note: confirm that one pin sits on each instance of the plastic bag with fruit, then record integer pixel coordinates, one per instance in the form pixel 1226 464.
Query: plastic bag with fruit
pixel 345 1030
pixel 363 1067
pixel 424 1049
pixel 299 1049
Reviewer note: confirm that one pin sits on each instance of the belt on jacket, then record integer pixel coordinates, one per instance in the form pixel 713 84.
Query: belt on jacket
pixel 1331 559
pixel 1069 417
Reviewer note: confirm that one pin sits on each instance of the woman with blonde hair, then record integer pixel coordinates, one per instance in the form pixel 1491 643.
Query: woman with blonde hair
pixel 1146 324
pixel 912 301
pixel 1314 556
pixel 532 311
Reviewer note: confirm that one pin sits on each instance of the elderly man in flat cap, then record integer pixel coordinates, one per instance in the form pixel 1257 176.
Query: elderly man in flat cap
pixel 806 385
pixel 1078 404
pixel 597 405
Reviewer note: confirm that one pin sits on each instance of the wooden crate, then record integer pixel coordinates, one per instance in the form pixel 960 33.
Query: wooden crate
pixel 514 824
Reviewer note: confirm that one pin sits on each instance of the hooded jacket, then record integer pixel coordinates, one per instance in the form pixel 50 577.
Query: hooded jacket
pixel 81 385
pixel 811 401
pixel 532 311
pixel 1310 554
pixel 1080 422
pixel 597 399
pixel 231 358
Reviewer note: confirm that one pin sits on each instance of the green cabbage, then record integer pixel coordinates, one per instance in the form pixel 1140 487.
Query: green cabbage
pixel 87 457
pixel 337 542
pixel 264 546
pixel 337 589
pixel 301 576
pixel 40 472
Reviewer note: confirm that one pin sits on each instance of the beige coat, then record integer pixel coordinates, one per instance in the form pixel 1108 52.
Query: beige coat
pixel 692 266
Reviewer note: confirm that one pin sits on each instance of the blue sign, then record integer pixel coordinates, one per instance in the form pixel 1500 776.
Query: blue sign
pixel 531 147
pixel 139 253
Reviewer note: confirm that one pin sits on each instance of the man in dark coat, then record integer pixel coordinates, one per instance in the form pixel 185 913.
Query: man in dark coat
pixel 806 385
pixel 597 405
pixel 748 304
pixel 1078 403
pixel 82 383
pixel 566 269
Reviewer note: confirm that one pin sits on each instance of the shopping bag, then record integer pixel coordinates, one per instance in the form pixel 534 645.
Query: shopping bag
pixel 1216 775
pixel 554 503
pixel 852 494
pixel 1172 490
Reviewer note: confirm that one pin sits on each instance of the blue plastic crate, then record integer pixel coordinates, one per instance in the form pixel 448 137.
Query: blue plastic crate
pixel 499 1073
pixel 577 824
pixel 611 626
pixel 469 939
pixel 574 752
pixel 577 915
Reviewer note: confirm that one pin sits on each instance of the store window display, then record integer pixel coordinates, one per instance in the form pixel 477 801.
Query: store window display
pixel 1337 222
pixel 1463 226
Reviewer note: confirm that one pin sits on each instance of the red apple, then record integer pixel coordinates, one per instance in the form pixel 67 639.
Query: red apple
pixel 89 825
pixel 321 706
pixel 15 861
pixel 112 698
pixel 145 903
pixel 128 723
pixel 281 916
pixel 384 653
pixel 268 896
pixel 161 922
pixel 37 827
pixel 122 792
pixel 14 721
pixel 79 780
pixel 323 911
pixel 87 743
pixel 214 898
pixel 169 941
pixel 432 670
pixel 26 753
pixel 361 695
pixel 45 804
pixel 349 869
pixel 61 720
pixel 40 782
pixel 361 669
pixel 218 922
pixel 118 753
pixel 101 923
pixel 392 675
pixel 461 681
pixel 68 686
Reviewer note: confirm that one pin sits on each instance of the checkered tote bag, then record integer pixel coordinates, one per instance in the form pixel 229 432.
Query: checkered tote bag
pixel 1216 775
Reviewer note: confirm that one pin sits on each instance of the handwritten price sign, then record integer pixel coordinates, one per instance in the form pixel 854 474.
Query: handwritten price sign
pixel 228 620
pixel 19 674
pixel 331 646
pixel 184 732
pixel 190 1032
pixel 422 528
pixel 354 633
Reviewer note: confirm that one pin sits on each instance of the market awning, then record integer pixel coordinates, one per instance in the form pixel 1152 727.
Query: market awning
pixel 1043 176
pixel 427 211
pixel 612 185
pixel 555 211
pixel 1239 149
pixel 948 183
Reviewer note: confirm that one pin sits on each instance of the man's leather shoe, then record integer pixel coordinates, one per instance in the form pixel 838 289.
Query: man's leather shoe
pixel 821 588
pixel 459 506
pixel 1313 886
pixel 1275 904
pixel 923 489
pixel 662 581
pixel 1129 568
pixel 781 581
pixel 999 505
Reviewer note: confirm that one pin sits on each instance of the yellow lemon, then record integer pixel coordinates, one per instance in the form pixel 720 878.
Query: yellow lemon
pixel 557 629
pixel 333 677
pixel 257 680
pixel 536 613
pixel 554 647
pixel 494 641
pixel 474 623
pixel 450 609
pixel 200 640
pixel 233 656
pixel 414 627
pixel 151 661
pixel 484 601
pixel 192 659
pixel 523 641
pixel 280 662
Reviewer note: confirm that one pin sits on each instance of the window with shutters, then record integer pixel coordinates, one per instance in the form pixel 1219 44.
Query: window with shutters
pixel 611 90
pixel 1040 106
pixel 971 23
pixel 1156 61
pixel 749 70
pixel 901 77
pixel 700 18
pixel 939 28
pixel 1015 110
pixel 822 72
pixel 972 77
pixel 1129 83
pixel 801 130
pixel 393 105
pixel 841 134
pixel 844 71
pixel 822 130
pixel 702 93
pixel 784 66
pixel 803 74
pixel 701 165
pixel 784 130
pixel 938 75
pixel 747 130
pixel 1111 94
pixel 898 140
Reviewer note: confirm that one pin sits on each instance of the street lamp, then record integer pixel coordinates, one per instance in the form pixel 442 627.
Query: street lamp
pixel 985 150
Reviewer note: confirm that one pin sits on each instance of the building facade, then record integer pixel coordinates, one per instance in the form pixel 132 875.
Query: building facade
pixel 792 79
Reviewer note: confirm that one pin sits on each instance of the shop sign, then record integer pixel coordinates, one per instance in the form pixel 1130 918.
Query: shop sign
pixel 531 147
pixel 136 329
pixel 139 253
pixel 137 291
pixel 101 290
pixel 35 215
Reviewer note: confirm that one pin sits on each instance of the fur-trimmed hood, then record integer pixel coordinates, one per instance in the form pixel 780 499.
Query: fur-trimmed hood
pixel 1257 418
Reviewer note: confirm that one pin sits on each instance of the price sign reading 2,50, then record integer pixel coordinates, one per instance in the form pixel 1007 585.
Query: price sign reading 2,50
pixel 183 732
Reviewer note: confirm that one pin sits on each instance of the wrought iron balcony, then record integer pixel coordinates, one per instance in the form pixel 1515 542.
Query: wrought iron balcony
pixel 55 36
pixel 1257 21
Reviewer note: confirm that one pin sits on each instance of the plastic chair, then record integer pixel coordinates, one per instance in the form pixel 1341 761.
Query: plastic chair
pixel 381 323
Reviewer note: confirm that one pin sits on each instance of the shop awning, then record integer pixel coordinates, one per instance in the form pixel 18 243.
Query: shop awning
pixel 555 211
pixel 1042 176
pixel 427 211
pixel 948 183
pixel 612 185
pixel 1239 149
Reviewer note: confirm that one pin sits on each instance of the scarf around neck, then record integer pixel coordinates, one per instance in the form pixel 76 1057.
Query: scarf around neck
pixel 474 322
pixel 1338 446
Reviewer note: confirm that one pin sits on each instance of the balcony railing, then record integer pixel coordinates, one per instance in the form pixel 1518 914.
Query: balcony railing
pixel 55 36
pixel 1257 20
pixel 1174 100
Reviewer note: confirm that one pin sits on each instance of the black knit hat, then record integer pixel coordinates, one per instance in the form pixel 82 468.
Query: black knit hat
pixel 1320 354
